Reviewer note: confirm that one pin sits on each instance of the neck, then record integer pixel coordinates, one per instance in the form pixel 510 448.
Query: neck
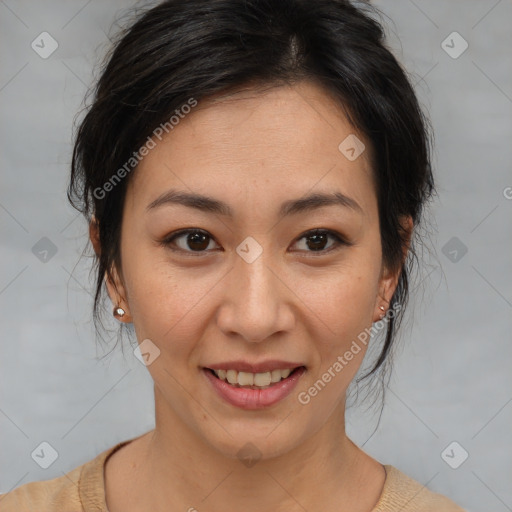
pixel 326 472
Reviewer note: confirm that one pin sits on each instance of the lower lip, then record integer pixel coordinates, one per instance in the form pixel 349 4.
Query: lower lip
pixel 247 398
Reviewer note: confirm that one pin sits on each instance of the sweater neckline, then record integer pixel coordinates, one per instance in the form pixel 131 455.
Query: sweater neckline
pixel 91 486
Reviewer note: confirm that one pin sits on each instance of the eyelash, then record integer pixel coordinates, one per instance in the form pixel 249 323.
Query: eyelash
pixel 339 240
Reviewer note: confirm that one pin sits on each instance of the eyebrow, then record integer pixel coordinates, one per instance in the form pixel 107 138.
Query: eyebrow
pixel 290 207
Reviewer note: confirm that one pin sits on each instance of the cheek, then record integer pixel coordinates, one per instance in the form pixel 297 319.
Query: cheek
pixel 343 312
pixel 341 305
pixel 168 305
pixel 346 310
pixel 342 350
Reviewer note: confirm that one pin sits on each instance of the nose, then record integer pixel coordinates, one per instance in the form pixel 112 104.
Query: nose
pixel 257 303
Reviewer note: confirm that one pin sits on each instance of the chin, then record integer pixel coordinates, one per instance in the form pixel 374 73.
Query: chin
pixel 249 449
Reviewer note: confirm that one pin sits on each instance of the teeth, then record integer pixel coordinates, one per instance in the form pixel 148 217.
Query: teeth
pixel 231 375
pixel 262 379
pixel 276 375
pixel 259 380
pixel 245 379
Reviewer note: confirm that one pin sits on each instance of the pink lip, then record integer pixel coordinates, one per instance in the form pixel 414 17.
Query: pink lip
pixel 250 399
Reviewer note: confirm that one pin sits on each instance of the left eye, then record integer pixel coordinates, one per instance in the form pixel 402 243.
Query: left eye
pixel 198 241
pixel 317 238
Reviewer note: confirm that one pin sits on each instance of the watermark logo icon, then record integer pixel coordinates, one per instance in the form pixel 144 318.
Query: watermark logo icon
pixel 249 455
pixel 45 455
pixel 249 250
pixel 351 147
pixel 44 250
pixel 147 352
pixel 454 249
pixel 44 45
pixel 454 45
pixel 454 455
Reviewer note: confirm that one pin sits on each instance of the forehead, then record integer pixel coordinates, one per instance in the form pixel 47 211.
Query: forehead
pixel 275 142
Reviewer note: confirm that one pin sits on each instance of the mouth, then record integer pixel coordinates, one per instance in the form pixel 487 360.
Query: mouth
pixel 253 390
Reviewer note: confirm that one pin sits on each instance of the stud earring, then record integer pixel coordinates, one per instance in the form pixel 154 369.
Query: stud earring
pixel 382 308
pixel 118 312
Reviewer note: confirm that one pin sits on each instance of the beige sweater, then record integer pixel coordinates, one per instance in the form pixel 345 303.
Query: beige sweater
pixel 83 490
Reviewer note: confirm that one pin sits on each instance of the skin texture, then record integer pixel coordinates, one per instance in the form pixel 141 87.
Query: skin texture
pixel 252 150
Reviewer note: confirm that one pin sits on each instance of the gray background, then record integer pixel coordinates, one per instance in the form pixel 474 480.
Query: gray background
pixel 452 378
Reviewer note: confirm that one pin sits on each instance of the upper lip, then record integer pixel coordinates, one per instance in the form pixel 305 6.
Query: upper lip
pixel 261 367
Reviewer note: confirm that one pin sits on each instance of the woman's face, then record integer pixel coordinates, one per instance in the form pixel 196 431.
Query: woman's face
pixel 250 287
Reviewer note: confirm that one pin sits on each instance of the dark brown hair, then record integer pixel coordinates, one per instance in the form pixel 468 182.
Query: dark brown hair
pixel 182 49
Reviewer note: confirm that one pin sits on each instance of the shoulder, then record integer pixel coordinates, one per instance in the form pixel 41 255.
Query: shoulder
pixel 407 495
pixel 80 490
pixel 59 493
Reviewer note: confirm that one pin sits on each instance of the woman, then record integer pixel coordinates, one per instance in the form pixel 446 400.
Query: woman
pixel 253 174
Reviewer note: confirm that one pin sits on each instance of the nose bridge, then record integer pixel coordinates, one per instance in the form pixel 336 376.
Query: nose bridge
pixel 254 306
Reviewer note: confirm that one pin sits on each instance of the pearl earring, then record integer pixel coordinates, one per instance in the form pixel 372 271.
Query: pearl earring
pixel 382 308
pixel 118 312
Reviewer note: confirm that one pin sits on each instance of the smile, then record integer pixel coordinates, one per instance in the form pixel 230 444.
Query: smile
pixel 253 390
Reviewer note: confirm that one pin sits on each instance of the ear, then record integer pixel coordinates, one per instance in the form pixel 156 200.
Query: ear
pixel 94 235
pixel 389 278
pixel 115 287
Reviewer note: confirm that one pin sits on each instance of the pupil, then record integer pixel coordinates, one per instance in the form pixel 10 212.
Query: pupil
pixel 319 240
pixel 199 239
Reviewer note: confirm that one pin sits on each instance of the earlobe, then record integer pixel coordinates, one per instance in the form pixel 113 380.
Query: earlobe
pixel 115 289
pixel 117 296
pixel 386 289
pixel 383 299
pixel 389 279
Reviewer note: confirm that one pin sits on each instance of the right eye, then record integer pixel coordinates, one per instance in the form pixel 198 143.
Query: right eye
pixel 190 241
